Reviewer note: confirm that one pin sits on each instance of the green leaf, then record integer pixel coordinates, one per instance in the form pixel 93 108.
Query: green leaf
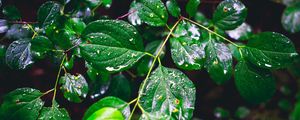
pixel 76 25
pixel 152 12
pixel 285 105
pixel 93 3
pixel 111 102
pixel 230 14
pixel 173 8
pixel 114 45
pixel 295 115
pixel 270 50
pixel 187 47
pixel 69 63
pixel 254 84
pixel 145 63
pixel 54 113
pixel 74 87
pixel 18 54
pixel 201 18
pixel 120 87
pixel 235 51
pixel 64 38
pixel 243 32
pixel 290 19
pixel 107 113
pixel 21 104
pixel 11 12
pixel 2 54
pixel 40 46
pixel 218 61
pixel 48 13
pixel 192 7
pixel 168 93
pixel 107 3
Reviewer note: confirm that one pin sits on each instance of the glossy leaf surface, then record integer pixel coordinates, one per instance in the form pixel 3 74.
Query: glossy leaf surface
pixel 168 93
pixel 111 102
pixel 18 54
pixel 21 104
pixel 254 84
pixel 218 61
pixel 270 50
pixel 114 45
pixel 173 8
pixel 74 87
pixel 187 46
pixel 152 12
pixel 229 14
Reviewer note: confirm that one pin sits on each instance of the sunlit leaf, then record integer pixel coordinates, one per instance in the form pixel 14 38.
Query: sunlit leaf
pixel 111 102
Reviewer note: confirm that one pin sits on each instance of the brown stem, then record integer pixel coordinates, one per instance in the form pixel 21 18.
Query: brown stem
pixel 125 15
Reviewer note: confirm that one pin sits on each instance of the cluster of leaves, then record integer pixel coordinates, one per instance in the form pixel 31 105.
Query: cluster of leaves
pixel 72 28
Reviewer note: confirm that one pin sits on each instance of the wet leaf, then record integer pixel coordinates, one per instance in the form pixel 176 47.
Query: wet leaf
pixel 48 13
pixel 192 7
pixel 218 61
pixel 74 87
pixel 187 47
pixel 243 32
pixel 76 25
pixel 93 3
pixel 18 54
pixel 290 19
pixel 64 38
pixel 107 113
pixel 107 3
pixel 21 104
pixel 173 8
pixel 229 14
pixel 270 50
pixel 168 93
pixel 114 45
pixel 111 102
pixel 54 113
pixel 11 12
pixel 254 84
pixel 40 46
pixel 152 12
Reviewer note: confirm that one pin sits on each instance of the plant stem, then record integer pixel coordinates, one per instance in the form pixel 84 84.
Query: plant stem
pixel 127 14
pixel 47 92
pixel 132 101
pixel 212 32
pixel 151 68
pixel 57 78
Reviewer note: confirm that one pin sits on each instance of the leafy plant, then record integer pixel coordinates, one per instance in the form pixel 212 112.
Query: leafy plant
pixel 70 30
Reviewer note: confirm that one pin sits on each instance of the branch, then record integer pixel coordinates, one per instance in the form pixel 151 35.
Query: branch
pixel 127 14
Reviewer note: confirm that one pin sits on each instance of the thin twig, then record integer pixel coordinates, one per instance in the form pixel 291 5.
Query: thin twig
pixel 22 22
pixel 57 78
pixel 152 67
pixel 127 14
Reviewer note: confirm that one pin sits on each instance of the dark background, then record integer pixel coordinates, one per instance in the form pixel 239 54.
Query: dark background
pixel 263 15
